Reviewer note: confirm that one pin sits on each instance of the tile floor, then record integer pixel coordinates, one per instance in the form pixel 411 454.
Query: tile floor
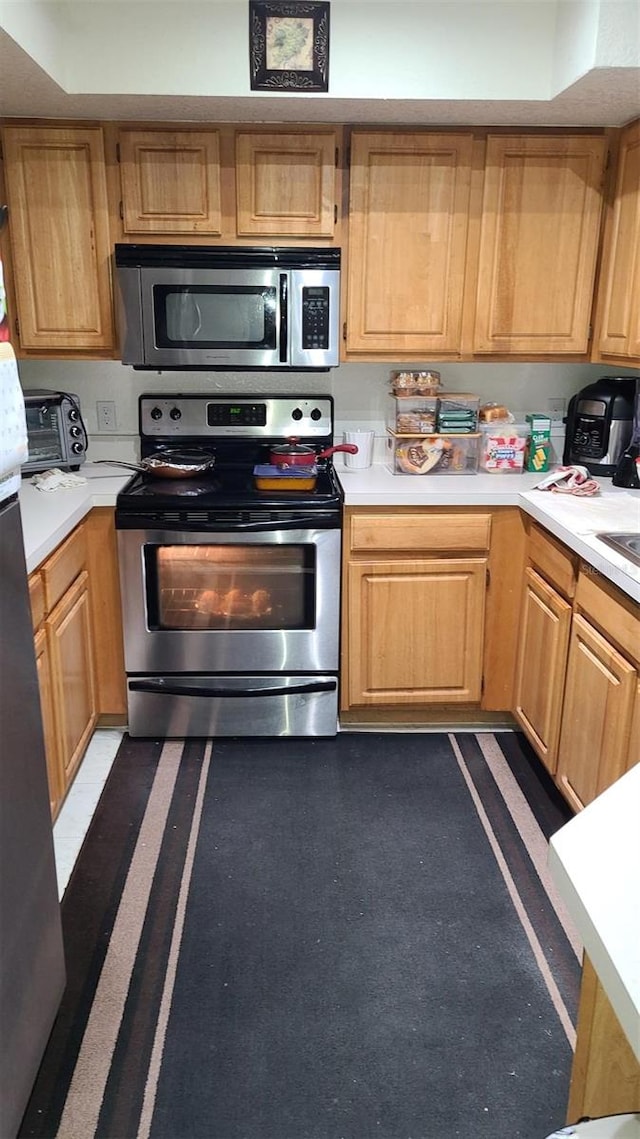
pixel 73 821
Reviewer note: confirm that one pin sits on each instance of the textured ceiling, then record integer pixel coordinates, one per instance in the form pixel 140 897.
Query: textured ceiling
pixel 604 97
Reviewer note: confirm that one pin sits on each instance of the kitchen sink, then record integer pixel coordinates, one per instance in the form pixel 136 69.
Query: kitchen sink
pixel 626 544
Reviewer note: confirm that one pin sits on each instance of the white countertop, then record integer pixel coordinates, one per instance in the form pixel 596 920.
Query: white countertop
pixel 574 520
pixel 595 863
pixel 48 516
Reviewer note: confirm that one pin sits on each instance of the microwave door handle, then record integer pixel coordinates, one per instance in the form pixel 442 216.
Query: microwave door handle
pixel 284 318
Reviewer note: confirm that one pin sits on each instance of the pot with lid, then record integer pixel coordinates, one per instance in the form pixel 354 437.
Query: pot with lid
pixel 296 454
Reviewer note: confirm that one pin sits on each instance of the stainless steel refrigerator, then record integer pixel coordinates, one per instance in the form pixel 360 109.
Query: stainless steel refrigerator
pixel 32 974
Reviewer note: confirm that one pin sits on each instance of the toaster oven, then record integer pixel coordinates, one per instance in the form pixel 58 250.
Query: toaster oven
pixel 55 431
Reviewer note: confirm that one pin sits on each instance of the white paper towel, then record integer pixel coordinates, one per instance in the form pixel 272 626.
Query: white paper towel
pixel 13 424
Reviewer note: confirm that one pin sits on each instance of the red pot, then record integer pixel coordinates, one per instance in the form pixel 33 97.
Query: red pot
pixel 294 454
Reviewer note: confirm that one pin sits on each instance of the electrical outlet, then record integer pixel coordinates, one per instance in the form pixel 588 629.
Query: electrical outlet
pixel 557 408
pixel 106 410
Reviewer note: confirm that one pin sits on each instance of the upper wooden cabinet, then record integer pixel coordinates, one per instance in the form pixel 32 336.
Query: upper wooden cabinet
pixel 538 243
pixel 56 189
pixel 286 183
pixel 170 181
pixel 618 312
pixel 408 223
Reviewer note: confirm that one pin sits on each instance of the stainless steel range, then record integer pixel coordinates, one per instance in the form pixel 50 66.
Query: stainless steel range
pixel 231 580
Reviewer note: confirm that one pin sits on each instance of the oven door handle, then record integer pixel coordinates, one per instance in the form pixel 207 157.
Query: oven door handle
pixel 186 689
pixel 300 522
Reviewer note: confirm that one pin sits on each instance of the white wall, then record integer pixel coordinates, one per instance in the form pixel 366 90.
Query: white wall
pixel 398 49
pixel 360 391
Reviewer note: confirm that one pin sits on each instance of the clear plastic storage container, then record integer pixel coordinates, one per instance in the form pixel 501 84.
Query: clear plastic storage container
pixel 433 454
pixel 412 414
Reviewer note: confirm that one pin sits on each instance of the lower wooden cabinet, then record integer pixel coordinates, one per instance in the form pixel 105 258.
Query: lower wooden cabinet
pixel 416 631
pixel 544 636
pixel 596 720
pixel 45 683
pixel 75 605
pixel 605 1077
pixel 70 640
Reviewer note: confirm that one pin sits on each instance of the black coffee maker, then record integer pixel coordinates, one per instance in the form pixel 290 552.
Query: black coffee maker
pixel 599 424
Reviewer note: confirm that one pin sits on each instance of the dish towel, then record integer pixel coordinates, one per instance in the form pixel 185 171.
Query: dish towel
pixel 55 479
pixel 569 480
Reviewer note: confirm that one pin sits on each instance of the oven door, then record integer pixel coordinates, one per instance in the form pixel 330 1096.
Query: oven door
pixel 211 603
pixel 210 317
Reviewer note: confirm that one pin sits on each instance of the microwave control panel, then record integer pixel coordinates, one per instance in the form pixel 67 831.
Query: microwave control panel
pixel 315 316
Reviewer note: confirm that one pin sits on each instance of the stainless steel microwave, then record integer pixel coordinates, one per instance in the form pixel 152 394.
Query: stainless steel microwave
pixel 228 307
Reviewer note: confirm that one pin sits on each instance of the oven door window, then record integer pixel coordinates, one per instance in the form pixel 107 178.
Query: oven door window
pixel 215 316
pixel 44 432
pixel 230 586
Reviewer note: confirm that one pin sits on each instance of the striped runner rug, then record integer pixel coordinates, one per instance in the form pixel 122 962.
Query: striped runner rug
pixel 315 939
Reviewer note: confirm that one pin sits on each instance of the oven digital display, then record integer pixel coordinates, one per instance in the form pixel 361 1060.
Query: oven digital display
pixel 236 414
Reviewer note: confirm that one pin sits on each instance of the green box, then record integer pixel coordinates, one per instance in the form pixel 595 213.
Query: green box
pixel 538 453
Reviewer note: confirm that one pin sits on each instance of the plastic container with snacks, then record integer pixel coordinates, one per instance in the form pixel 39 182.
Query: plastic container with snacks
pixel 412 414
pixel 433 454
pixel 458 412
pixel 502 453
pixel 415 383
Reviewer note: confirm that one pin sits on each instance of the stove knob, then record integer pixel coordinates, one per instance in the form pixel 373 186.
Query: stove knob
pixel 156 413
pixel 296 413
pixel 316 413
pixel 77 448
pixel 175 413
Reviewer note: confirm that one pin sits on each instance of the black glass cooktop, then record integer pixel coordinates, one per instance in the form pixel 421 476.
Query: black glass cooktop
pixel 231 488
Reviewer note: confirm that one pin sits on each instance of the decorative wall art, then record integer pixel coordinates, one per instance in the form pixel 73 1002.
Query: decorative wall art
pixel 289 45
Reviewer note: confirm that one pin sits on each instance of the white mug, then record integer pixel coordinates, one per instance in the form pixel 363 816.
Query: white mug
pixel 364 442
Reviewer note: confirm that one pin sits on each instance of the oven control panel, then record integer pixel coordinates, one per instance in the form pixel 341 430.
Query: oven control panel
pixel 308 417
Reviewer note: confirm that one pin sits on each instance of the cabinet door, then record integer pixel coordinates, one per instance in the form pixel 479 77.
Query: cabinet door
pixel 70 645
pixel 544 636
pixel 538 243
pixel 286 184
pixel 408 222
pixel 596 719
pixel 170 181
pixel 618 325
pixel 415 631
pixel 59 227
pixel 45 683
pixel 634 740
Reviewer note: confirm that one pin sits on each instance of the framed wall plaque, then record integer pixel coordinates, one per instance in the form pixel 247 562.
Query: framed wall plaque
pixel 289 45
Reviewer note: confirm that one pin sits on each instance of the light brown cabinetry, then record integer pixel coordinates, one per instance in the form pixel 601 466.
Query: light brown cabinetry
pixel 538 243
pixel 545 621
pixel 286 183
pixel 408 224
pixel 170 181
pixel 605 1076
pixel 544 636
pixel 576 688
pixel 596 738
pixel 415 604
pixel 226 183
pixel 47 707
pixel 617 335
pixel 75 605
pixel 70 643
pixel 59 229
